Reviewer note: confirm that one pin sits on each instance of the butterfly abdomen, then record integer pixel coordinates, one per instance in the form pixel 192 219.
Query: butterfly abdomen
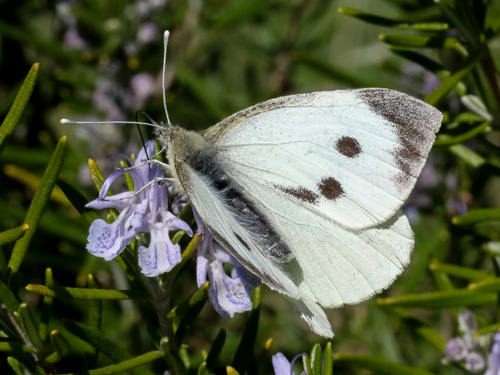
pixel 199 154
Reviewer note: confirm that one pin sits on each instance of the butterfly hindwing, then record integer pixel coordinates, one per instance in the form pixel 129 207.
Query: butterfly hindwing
pixel 334 265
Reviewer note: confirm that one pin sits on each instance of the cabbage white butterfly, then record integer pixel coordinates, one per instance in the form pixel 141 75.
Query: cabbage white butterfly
pixel 305 190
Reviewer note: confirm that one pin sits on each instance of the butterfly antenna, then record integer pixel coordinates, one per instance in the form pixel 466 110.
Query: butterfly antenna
pixel 166 34
pixel 66 121
pixel 139 130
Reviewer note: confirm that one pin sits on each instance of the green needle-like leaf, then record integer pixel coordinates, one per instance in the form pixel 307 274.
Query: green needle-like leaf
pixel 8 298
pixel 477 216
pixel 467 155
pixel 191 314
pixel 16 347
pixel 449 83
pixel 184 355
pixel 488 285
pixel 29 326
pixel 215 350
pixel 103 344
pixel 94 320
pixel 46 307
pixel 476 105
pixel 242 357
pixel 78 201
pixel 127 365
pixel 441 299
pixel 446 140
pixel 17 367
pixel 12 118
pixel 37 206
pixel 419 41
pixel 378 365
pixel 458 271
pixel 316 362
pixel 382 21
pixel 328 359
pixel 61 345
pixel 96 175
pixel 306 362
pixel 12 235
pixel 95 306
pixel 418 58
pixel 174 359
pixel 488 329
pixel 83 293
pixel 200 296
pixel 202 369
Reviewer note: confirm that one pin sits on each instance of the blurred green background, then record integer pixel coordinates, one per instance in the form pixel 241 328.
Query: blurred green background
pixel 102 60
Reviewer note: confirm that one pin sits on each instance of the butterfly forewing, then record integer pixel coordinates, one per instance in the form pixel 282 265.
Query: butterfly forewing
pixel 352 156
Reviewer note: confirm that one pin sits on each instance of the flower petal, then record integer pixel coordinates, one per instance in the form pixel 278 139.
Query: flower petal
pixel 108 240
pixel 494 360
pixel 118 201
pixel 281 365
pixel 475 363
pixel 199 223
pixel 174 223
pixel 139 218
pixel 467 321
pixel 248 279
pixel 201 270
pixel 456 349
pixel 228 295
pixel 111 178
pixel 221 254
pixel 161 255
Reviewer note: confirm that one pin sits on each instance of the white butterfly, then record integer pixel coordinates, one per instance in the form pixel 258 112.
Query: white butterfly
pixel 306 190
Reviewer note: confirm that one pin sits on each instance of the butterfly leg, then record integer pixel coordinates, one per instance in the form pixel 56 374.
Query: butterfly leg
pixel 161 164
pixel 159 180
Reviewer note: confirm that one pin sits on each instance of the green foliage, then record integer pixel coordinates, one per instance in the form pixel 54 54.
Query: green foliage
pixel 93 317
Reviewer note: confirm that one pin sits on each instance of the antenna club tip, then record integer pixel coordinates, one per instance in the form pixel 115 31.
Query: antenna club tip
pixel 65 121
pixel 166 34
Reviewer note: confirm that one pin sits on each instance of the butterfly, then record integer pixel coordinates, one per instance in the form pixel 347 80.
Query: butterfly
pixel 306 190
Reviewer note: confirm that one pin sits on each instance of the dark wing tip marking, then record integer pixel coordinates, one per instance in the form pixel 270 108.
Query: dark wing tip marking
pixel 401 109
pixel 301 193
pixel 415 123
pixel 330 188
pixel 348 146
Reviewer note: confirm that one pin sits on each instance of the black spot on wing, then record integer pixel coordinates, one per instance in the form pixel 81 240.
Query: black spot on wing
pixel 348 146
pixel 330 188
pixel 301 193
